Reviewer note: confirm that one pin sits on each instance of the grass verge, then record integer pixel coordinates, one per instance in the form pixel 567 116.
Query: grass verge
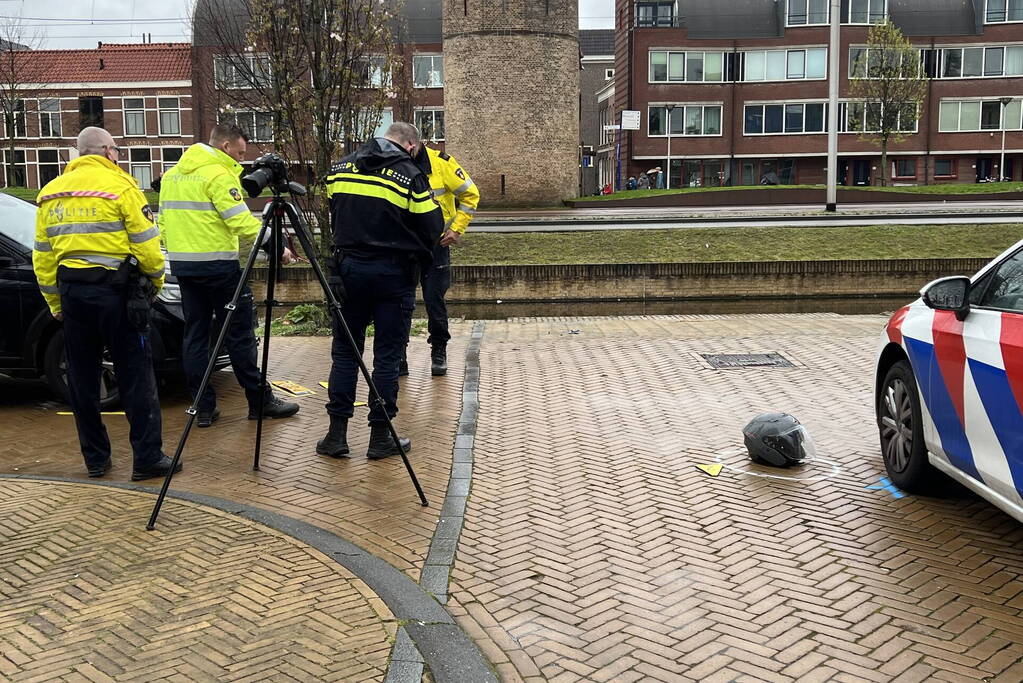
pixel 737 244
pixel 946 189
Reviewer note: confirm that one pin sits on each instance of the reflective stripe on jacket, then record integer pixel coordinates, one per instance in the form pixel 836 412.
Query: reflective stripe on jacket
pixel 93 215
pixel 454 190
pixel 202 212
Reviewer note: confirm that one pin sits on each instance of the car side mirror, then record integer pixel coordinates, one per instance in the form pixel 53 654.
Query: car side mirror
pixel 949 294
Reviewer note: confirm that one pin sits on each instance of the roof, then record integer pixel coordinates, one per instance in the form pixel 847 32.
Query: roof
pixel 733 19
pixel 941 17
pixel 110 63
pixel 597 42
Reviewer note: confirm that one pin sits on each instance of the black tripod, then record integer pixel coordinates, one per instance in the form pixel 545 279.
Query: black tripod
pixel 274 222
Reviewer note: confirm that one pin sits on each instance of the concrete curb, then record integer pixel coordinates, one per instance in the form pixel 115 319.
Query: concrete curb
pixel 447 650
pixel 406 660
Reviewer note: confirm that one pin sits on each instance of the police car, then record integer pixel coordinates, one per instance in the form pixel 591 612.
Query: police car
pixel 949 385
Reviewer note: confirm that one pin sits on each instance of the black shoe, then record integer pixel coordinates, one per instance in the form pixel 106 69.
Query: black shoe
pixel 100 470
pixel 274 407
pixel 160 468
pixel 204 419
pixel 335 444
pixel 439 361
pixel 403 368
pixel 381 445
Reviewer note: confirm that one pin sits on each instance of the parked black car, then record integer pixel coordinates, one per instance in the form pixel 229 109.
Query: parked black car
pixel 32 341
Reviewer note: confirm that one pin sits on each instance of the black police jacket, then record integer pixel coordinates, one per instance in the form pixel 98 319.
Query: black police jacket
pixel 380 202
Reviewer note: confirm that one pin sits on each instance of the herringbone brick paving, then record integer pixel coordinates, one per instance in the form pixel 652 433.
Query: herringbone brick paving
pixel 86 594
pixel 594 550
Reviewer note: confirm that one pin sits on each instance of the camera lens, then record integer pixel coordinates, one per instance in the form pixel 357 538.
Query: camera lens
pixel 255 182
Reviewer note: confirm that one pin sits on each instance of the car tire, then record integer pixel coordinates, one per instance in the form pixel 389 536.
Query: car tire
pixel 55 370
pixel 900 427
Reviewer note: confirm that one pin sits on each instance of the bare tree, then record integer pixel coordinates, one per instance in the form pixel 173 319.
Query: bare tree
pixel 22 80
pixel 316 75
pixel 889 84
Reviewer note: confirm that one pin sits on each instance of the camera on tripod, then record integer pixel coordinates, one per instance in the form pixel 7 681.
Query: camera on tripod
pixel 269 170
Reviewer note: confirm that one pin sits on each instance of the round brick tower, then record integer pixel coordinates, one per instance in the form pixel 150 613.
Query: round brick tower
pixel 511 97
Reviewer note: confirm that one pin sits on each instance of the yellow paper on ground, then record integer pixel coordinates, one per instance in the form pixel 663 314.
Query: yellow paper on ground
pixel 293 388
pixel 712 470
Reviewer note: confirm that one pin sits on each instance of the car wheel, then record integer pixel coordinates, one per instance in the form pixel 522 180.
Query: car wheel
pixel 55 369
pixel 901 429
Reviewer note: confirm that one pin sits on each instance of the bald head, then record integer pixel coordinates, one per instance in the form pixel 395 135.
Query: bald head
pixel 93 140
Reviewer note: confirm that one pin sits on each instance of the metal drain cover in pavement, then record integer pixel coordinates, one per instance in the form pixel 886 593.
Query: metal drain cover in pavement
pixel 747 360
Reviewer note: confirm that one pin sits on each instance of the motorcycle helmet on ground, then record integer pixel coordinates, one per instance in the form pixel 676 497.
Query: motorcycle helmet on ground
pixel 778 439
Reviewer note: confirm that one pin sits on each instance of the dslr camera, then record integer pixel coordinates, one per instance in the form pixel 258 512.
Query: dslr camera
pixel 269 170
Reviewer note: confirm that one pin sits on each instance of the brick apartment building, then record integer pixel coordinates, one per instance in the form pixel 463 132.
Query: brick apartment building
pixel 597 48
pixel 141 93
pixel 745 84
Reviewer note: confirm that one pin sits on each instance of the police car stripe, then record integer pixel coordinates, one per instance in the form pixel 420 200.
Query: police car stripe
pixel 202 255
pixel 144 236
pixel 43 246
pixel 83 228
pixel 993 420
pixel 234 211
pixel 188 206
pixel 48 289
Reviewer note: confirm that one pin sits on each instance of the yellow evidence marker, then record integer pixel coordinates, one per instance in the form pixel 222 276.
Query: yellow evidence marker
pixel 712 470
pixel 293 388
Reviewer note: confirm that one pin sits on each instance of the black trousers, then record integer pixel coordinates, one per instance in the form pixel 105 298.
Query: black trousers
pixel 436 281
pixel 201 299
pixel 95 316
pixel 381 291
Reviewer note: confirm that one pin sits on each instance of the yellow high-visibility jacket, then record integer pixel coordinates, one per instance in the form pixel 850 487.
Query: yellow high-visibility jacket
pixel 93 215
pixel 454 190
pixel 202 213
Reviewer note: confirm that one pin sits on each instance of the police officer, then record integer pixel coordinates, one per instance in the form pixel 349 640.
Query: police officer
pixel 90 220
pixel 458 197
pixel 202 215
pixel 384 222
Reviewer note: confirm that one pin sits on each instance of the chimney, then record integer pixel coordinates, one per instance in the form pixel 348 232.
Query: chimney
pixel 99 45
pixel 100 64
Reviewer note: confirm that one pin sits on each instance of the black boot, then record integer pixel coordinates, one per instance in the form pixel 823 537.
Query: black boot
pixel 273 407
pixel 439 360
pixel 335 444
pixel 160 468
pixel 403 368
pixel 381 445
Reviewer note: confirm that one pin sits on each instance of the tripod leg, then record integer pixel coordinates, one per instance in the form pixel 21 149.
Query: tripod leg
pixel 335 306
pixel 231 307
pixel 271 281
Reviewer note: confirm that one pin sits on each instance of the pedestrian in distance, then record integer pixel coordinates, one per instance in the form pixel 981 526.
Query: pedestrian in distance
pixel 384 222
pixel 643 182
pixel 458 197
pixel 202 215
pixel 95 239
pixel 631 184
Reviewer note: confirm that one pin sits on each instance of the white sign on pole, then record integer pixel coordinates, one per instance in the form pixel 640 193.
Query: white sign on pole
pixel 630 120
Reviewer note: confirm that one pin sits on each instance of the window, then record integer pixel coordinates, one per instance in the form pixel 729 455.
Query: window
pixel 856 117
pixel 386 119
pixel 873 63
pixel 90 112
pixel 1005 291
pixel 257 125
pixel 982 62
pixel 134 116
pixel 655 14
pixel 17 177
pixel 49 118
pixel 944 168
pixel 171 156
pixel 373 72
pixel 141 169
pixel 170 115
pixel 689 119
pixel 807 12
pixel 428 71
pixel 695 67
pixel 49 165
pixel 956 116
pixel 771 119
pixel 241 72
pixel 609 74
pixel 867 11
pixel 1004 10
pixel 18 129
pixel 905 168
pixel 781 65
pixel 431 124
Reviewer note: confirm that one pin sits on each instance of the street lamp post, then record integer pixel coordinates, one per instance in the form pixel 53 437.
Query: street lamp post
pixel 1001 163
pixel 667 166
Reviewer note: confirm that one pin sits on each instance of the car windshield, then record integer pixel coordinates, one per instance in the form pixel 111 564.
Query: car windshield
pixel 18 220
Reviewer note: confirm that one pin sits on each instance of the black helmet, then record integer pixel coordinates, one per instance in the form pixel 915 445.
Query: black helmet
pixel 778 439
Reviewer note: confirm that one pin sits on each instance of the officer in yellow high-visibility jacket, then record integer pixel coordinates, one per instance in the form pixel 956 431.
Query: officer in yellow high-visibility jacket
pixel 202 215
pixel 458 197
pixel 90 220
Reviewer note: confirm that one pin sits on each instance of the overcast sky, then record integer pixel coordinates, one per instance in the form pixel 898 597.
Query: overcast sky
pixel 82 23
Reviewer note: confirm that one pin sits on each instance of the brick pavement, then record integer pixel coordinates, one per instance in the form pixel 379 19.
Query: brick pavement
pixel 594 550
pixel 88 595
